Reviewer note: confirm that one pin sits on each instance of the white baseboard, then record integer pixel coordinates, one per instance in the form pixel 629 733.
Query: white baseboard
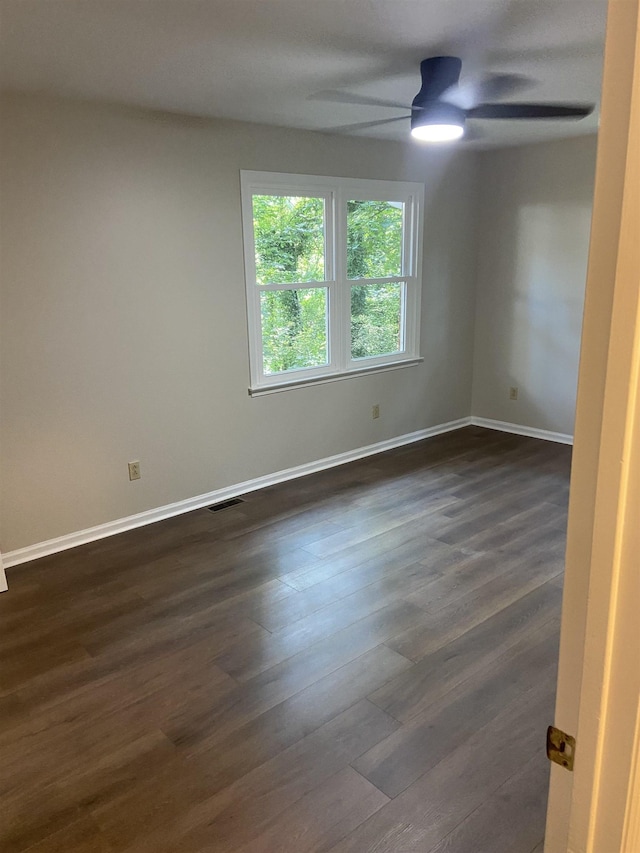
pixel 518 429
pixel 91 534
pixel 111 528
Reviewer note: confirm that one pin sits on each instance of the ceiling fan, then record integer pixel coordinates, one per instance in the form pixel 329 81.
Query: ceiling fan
pixel 441 108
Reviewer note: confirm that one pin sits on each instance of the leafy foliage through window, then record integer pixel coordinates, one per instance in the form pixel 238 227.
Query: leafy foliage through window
pixel 331 275
pixel 374 239
pixel 294 329
pixel 289 239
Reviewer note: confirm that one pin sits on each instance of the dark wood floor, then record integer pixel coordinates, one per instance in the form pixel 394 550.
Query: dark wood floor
pixel 360 660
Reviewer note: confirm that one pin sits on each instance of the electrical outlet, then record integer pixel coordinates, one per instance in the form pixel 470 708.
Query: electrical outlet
pixel 134 470
pixel 513 393
pixel 375 411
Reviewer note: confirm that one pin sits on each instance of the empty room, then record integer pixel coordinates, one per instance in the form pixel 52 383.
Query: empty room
pixel 316 370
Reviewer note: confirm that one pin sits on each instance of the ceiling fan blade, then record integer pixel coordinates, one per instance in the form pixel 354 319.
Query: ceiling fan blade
pixel 351 98
pixel 517 111
pixel 492 86
pixel 363 125
pixel 472 133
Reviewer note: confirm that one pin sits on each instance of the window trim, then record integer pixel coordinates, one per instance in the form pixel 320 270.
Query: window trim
pixel 336 192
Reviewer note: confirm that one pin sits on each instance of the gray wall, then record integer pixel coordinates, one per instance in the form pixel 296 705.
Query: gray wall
pixel 123 312
pixel 533 237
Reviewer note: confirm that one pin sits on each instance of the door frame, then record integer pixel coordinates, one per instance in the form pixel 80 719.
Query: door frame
pixel 596 809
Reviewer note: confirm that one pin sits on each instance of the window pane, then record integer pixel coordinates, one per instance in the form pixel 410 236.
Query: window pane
pixel 294 329
pixel 376 314
pixel 289 239
pixel 374 238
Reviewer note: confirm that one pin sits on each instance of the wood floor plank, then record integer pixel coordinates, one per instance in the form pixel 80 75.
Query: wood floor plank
pixel 252 655
pixel 266 677
pixel 358 566
pixel 483 531
pixel 69 797
pixel 410 534
pixel 437 673
pixel 326 654
pixel 539 530
pixel 295 533
pixel 62 612
pixel 510 819
pixel 284 680
pixel 378 524
pixel 436 803
pixel 405 755
pixel 184 672
pixel 461 580
pixel 187 583
pixel 237 752
pixel 239 813
pixel 467 609
pixel 83 836
pixel 321 818
pixel 165 631
pixel 56 749
pixel 12 711
pixel 35 656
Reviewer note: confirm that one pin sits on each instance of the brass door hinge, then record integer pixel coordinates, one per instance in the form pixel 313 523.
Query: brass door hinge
pixel 561 747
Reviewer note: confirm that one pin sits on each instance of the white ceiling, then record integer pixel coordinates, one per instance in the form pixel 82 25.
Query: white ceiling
pixel 268 60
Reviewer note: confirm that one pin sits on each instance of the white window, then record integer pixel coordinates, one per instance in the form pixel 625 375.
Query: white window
pixel 333 276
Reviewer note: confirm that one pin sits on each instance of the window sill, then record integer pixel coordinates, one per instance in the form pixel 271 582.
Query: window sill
pixel 333 377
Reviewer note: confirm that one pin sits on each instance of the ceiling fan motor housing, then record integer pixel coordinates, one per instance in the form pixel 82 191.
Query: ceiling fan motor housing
pixel 438 74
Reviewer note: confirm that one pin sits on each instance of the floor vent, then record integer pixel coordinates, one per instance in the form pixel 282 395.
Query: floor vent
pixel 225 504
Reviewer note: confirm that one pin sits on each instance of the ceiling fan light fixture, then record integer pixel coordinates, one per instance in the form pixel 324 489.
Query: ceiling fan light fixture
pixel 437 122
pixel 437 132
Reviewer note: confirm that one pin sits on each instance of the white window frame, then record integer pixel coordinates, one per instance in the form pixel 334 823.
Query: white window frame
pixel 336 192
